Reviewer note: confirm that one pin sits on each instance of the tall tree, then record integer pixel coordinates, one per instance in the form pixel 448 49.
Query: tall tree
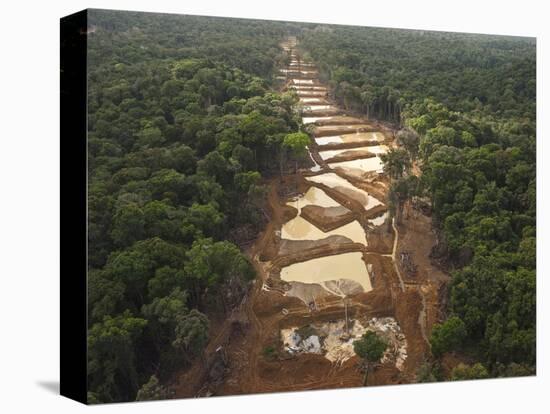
pixel 297 143
pixel 396 162
pixel 112 374
pixel 370 348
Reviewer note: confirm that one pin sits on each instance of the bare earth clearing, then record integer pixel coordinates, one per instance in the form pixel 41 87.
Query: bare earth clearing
pixel 256 348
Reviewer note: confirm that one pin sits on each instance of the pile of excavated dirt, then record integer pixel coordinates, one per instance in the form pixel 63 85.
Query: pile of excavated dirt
pixel 328 218
pixel 287 247
pixel 350 155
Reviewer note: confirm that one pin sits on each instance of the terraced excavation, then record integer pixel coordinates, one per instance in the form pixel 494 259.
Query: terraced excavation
pixel 328 267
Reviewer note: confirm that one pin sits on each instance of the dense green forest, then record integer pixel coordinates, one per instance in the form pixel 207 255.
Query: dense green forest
pixel 183 125
pixel 465 106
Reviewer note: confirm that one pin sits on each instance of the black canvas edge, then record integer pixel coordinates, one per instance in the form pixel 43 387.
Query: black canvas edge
pixel 73 206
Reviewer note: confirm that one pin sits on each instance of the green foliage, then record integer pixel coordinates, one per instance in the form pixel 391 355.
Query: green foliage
pixel 150 137
pixel 464 372
pixel 202 220
pixel 370 347
pixel 500 315
pixel 128 225
pixel 191 334
pixel 396 162
pixel 152 390
pixel 515 370
pixel 111 354
pixel 381 72
pixel 105 295
pixel 297 142
pixel 428 372
pixel 410 140
pixel 447 336
pixel 214 264
pixel 168 309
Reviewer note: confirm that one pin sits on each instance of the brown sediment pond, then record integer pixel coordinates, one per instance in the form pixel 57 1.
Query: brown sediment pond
pixel 313 119
pixel 346 266
pixel 313 101
pixel 358 137
pixel 309 87
pixel 314 196
pixel 312 94
pixel 360 166
pixel 302 81
pixel 298 228
pixel 316 107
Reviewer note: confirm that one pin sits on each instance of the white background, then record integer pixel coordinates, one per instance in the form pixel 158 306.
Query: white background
pixel 29 205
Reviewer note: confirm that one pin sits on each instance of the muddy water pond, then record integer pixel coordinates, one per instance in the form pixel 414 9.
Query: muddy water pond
pixel 314 196
pixel 334 139
pixel 346 188
pixel 312 119
pixel 310 101
pixel 369 136
pixel 345 266
pixel 378 149
pixel 347 138
pixel 309 88
pixel 310 93
pixel 315 107
pixel 300 229
pixel 363 165
pixel 325 155
pixel 302 81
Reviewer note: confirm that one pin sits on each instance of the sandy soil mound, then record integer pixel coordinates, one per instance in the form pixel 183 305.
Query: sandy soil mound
pixel 327 218
pixel 287 247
